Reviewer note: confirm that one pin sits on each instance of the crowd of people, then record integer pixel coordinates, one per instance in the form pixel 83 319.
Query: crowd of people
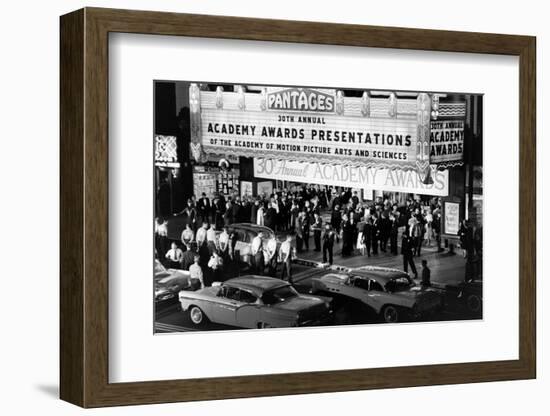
pixel 324 215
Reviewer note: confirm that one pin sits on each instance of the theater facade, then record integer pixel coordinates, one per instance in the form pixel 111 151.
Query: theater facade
pixel 250 140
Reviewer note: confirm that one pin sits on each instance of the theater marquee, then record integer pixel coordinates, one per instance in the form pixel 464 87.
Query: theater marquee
pixel 319 125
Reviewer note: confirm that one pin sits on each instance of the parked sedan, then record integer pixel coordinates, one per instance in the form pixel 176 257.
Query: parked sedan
pixel 254 302
pixel 391 293
pixel 169 282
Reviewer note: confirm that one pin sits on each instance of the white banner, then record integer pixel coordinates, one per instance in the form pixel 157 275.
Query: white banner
pixel 394 180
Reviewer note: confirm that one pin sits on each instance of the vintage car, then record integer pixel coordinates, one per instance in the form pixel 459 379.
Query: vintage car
pixel 255 302
pixel 390 293
pixel 244 233
pixel 169 282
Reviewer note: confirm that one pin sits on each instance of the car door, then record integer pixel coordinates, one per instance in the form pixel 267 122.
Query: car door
pixel 376 295
pixel 223 311
pixel 242 245
pixel 247 314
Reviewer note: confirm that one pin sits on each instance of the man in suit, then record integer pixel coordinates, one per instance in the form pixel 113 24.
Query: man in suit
pixel 328 244
pixel 236 207
pixel 203 208
pixel 190 215
pixel 355 199
pixel 336 220
pixel 188 257
pixel 394 231
pixel 407 252
pixel 385 227
pixel 256 250
pixel 367 234
pixel 375 234
pixel 270 216
pixel 317 228
pixel 305 226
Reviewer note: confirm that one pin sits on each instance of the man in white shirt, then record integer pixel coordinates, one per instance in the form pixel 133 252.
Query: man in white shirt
pixel 187 235
pixel 174 256
pixel 195 272
pixel 211 239
pixel 201 234
pixel 223 243
pixel 270 258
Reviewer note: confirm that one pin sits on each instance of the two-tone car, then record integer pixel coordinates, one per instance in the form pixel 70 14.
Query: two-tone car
pixel 390 293
pixel 244 233
pixel 169 282
pixel 255 302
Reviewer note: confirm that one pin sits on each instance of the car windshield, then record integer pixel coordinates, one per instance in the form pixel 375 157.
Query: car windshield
pixel 279 295
pixel 398 284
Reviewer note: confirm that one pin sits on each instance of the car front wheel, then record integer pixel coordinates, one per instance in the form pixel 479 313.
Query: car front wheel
pixel 196 315
pixel 390 314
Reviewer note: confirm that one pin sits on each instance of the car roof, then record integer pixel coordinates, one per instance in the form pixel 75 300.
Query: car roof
pixel 256 284
pixel 381 274
pixel 251 227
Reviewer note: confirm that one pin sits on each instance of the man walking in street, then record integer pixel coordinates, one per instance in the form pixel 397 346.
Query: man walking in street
pixel 407 252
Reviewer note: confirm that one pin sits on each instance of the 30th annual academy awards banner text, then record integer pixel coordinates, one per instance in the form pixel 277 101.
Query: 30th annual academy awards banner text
pixel 392 180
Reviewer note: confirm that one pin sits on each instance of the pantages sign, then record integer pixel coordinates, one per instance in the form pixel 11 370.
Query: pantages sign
pixel 314 125
pixel 391 180
pixel 300 99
